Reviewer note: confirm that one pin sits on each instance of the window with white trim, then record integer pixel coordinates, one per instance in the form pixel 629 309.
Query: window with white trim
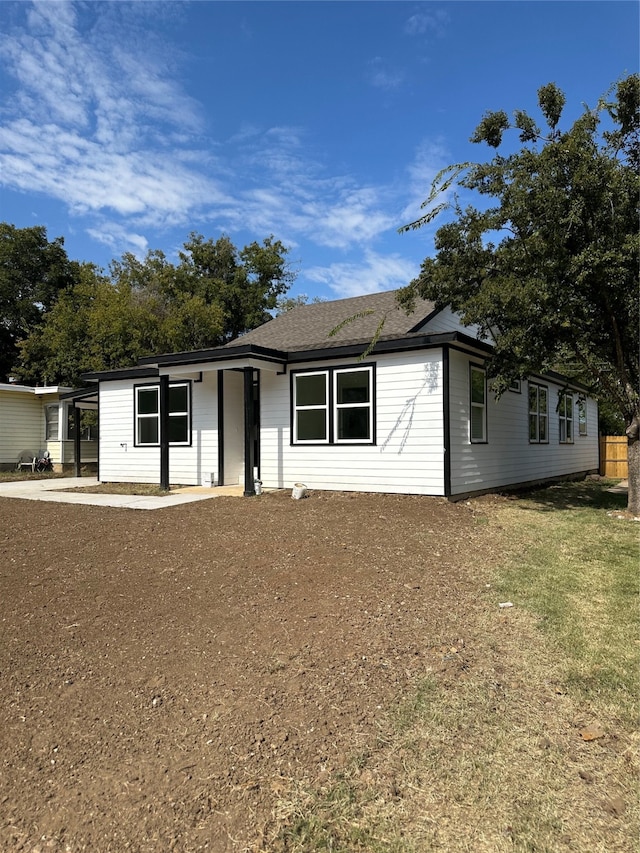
pixel 52 422
pixel 582 416
pixel 333 406
pixel 538 414
pixel 565 418
pixel 477 404
pixel 147 414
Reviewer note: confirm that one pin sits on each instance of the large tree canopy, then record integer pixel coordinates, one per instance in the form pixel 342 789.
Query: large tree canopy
pixel 33 271
pixel 547 263
pixel 100 322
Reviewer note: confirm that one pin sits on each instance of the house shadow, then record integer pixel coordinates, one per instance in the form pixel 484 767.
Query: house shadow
pixel 572 495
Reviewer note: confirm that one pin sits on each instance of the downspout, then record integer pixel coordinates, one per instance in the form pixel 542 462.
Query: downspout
pixel 249 459
pixel 164 432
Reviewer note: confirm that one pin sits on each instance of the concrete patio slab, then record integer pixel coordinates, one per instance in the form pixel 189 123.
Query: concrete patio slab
pixel 52 490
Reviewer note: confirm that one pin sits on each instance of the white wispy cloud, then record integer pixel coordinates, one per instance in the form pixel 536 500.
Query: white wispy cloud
pixel 432 22
pixel 375 273
pixel 84 116
pixel 429 158
pixel 99 120
pixel 382 76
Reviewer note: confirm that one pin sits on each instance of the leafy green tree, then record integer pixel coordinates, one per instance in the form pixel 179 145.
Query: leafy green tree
pixel 547 264
pixel 94 325
pixel 246 284
pixel 33 272
pixel 150 306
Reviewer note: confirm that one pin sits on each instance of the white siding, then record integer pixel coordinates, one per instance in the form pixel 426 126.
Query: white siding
pixel 233 428
pixel 447 321
pixel 21 425
pixel 409 452
pixel 508 458
pixel 121 461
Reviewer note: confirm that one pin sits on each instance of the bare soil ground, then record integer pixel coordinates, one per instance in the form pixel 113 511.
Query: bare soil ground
pixel 167 676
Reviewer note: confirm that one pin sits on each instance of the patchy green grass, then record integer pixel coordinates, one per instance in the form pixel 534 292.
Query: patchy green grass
pixel 577 571
pixel 490 751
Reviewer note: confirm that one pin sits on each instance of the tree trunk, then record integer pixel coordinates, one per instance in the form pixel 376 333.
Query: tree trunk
pixel 633 456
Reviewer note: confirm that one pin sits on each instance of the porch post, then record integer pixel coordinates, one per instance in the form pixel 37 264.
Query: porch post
pixel 249 457
pixel 76 441
pixel 164 432
pixel 221 427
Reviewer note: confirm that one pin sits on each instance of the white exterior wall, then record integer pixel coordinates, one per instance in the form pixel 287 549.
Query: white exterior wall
pixel 408 457
pixel 447 321
pixel 233 428
pixel 508 458
pixel 122 462
pixel 21 424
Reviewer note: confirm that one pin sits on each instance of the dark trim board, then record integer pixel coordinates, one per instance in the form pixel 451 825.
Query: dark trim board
pixel 164 432
pixel 446 421
pixel 249 460
pixel 220 427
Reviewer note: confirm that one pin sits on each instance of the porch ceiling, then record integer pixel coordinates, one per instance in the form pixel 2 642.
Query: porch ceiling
pixel 255 362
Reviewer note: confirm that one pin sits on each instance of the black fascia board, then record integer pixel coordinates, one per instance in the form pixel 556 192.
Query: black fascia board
pixel 217 354
pixel 560 379
pixel 416 327
pixel 395 345
pixel 124 373
pixel 79 394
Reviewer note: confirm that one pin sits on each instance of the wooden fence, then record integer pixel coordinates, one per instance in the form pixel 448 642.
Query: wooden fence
pixel 613 456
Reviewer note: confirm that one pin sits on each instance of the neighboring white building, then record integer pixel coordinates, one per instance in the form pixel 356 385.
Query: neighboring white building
pixel 295 402
pixel 37 419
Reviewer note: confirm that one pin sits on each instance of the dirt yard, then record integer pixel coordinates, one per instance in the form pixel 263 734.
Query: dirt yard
pixel 168 675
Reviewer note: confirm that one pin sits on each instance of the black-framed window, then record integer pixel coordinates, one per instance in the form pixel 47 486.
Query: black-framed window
pixel 147 414
pixel 334 405
pixel 582 416
pixel 477 404
pixel 538 413
pixel 565 417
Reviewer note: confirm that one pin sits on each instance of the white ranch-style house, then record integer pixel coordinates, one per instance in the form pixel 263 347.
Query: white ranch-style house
pixel 292 403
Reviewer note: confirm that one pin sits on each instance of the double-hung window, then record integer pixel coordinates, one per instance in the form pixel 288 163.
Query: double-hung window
pixel 538 414
pixel 353 405
pixel 582 416
pixel 147 414
pixel 333 406
pixel 311 407
pixel 477 404
pixel 565 419
pixel 52 422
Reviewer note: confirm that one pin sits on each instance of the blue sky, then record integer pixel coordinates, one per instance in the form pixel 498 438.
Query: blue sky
pixel 126 126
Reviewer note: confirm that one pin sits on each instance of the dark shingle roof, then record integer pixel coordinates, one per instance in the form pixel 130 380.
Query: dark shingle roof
pixel 307 327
